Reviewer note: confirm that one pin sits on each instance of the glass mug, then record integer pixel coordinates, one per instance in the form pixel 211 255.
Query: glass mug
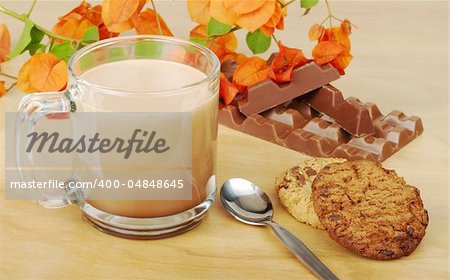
pixel 135 74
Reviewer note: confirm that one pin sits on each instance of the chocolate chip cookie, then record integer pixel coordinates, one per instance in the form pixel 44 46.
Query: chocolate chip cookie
pixel 294 189
pixel 369 210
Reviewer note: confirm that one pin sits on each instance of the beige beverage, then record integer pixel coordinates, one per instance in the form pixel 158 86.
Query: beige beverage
pixel 154 77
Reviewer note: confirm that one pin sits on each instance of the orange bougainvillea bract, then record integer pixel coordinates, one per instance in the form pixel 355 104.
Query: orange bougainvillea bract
pixel 243 7
pixel 117 14
pixel 5 42
pixel 251 71
pixel 146 23
pixel 257 18
pixel 77 21
pixel 326 51
pixel 333 46
pixel 283 65
pixel 72 27
pixel 248 14
pixel 315 32
pixel 199 11
pixel 42 73
pixel 222 46
pixel 3 89
pixel 276 21
pixel 228 91
pixel 82 9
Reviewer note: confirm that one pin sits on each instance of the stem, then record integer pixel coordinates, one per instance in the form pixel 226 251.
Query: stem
pixel 157 18
pixel 340 20
pixel 8 76
pixel 275 38
pixel 77 46
pixel 287 4
pixel 11 86
pixel 31 8
pixel 330 14
pixel 56 36
pixel 328 8
pixel 236 28
pixel 50 43
pixel 324 20
pixel 24 17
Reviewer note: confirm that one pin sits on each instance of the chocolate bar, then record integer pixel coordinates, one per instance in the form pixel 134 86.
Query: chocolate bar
pixel 395 127
pixel 368 147
pixel 297 126
pixel 349 113
pixel 269 94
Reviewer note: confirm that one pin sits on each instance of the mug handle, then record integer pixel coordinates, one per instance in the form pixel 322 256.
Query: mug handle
pixel 32 108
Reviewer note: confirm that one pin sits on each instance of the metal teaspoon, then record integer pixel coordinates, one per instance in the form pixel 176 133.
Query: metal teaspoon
pixel 249 204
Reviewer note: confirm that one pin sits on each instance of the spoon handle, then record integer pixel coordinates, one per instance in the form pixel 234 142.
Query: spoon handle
pixel 302 252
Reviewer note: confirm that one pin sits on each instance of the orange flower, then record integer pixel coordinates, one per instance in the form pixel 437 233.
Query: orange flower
pixel 77 21
pixel 276 21
pixel 42 73
pixel 333 46
pixel 222 46
pixel 94 16
pixel 3 89
pixel 5 42
pixel 228 91
pixel 74 27
pixel 146 23
pixel 117 14
pixel 316 32
pixel 283 65
pixel 81 10
pixel 249 14
pixel 251 71
pixel 326 51
pixel 199 11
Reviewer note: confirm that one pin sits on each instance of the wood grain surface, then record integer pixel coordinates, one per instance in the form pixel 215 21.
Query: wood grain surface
pixel 401 62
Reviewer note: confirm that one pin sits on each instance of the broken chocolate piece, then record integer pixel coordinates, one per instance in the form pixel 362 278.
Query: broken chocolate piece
pixel 349 113
pixel 269 94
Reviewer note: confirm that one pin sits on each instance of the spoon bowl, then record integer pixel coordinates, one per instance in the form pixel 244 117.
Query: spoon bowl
pixel 246 202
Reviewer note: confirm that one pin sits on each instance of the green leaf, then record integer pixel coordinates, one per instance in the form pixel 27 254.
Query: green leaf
pixel 148 49
pixel 258 42
pixel 24 40
pixel 63 51
pixel 36 35
pixel 91 35
pixel 308 4
pixel 216 28
pixel 198 41
pixel 36 48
